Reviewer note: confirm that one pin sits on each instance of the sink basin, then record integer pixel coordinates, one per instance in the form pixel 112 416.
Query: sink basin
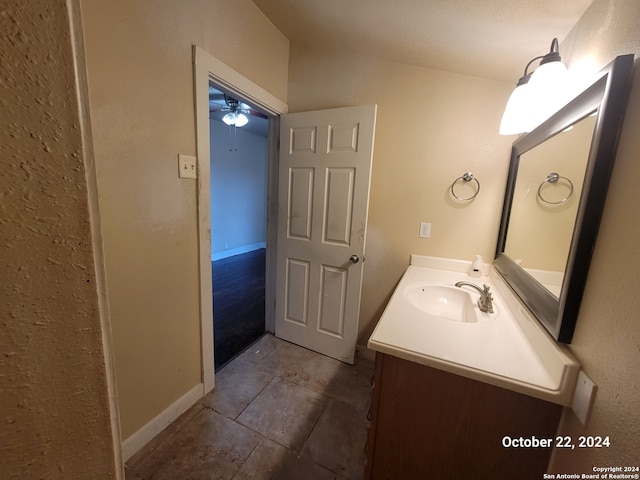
pixel 446 301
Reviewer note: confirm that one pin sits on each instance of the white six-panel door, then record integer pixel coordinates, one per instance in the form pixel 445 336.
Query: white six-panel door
pixel 324 178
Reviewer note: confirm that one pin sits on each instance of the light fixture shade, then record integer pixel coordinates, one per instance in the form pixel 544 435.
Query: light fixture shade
pixel 548 91
pixel 515 119
pixel 537 95
pixel 550 74
pixel 235 118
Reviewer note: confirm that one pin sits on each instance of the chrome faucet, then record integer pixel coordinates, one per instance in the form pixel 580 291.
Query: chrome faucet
pixel 485 302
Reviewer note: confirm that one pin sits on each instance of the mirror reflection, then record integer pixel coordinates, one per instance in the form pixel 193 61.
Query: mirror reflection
pixel 545 203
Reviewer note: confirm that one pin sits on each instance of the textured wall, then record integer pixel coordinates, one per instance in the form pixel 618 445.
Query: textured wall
pixel 432 126
pixel 54 406
pixel 607 336
pixel 140 68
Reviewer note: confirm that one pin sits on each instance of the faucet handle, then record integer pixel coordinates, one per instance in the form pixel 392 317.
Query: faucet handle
pixel 486 300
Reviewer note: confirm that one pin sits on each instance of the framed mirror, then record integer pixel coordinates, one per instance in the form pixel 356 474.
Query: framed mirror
pixel 556 190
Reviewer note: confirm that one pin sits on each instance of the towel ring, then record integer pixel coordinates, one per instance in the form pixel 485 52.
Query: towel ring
pixel 554 178
pixel 467 177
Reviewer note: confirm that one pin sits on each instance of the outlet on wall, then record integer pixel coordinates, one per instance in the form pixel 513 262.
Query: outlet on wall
pixel 583 397
pixel 425 230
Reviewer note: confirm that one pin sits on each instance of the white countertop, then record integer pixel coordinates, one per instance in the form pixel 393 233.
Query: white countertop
pixel 509 350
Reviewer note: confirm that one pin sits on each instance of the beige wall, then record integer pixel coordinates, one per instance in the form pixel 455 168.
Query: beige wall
pixel 432 127
pixel 54 398
pixel 141 91
pixel 607 336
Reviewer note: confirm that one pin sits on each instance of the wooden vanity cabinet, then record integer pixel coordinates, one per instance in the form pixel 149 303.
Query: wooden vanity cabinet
pixel 430 424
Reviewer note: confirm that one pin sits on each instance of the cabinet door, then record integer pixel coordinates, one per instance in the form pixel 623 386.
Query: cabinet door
pixel 432 424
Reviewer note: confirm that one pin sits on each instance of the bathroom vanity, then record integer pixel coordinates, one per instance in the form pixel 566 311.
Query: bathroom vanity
pixel 463 391
pixel 457 390
pixel 427 423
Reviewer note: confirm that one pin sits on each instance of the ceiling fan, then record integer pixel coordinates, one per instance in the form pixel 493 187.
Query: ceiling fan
pixel 235 112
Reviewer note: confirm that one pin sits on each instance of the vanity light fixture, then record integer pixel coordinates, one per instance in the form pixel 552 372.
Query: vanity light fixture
pixel 537 95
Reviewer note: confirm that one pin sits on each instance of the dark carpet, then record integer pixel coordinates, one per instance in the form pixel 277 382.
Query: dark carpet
pixel 238 304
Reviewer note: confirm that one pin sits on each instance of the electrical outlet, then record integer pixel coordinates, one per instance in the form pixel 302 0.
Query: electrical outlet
pixel 425 230
pixel 187 165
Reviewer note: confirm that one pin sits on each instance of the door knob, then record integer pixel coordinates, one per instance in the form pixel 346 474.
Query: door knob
pixel 354 258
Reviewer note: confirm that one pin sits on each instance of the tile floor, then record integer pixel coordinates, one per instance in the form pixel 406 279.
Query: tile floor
pixel 278 411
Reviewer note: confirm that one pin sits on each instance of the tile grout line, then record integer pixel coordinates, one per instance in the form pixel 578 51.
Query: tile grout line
pixel 235 419
pixel 271 439
pixel 235 474
pixel 329 399
pixel 254 366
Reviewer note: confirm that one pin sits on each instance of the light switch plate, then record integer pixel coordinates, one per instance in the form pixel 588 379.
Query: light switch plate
pixel 187 165
pixel 583 397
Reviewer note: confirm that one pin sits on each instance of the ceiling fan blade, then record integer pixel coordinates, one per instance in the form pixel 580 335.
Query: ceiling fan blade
pixel 219 102
pixel 216 97
pixel 258 114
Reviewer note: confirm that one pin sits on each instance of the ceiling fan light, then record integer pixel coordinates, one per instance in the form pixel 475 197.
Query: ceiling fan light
pixel 235 119
pixel 229 118
pixel 241 120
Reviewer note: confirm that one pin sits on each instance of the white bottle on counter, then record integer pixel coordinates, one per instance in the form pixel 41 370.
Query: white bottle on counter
pixel 477 267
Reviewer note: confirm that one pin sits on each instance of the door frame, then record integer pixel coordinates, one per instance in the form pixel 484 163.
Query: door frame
pixel 208 68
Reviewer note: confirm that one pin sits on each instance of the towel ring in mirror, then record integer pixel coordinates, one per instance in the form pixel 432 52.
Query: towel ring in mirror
pixel 553 178
pixel 467 177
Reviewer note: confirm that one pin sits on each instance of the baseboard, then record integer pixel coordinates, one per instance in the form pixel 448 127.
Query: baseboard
pixel 143 436
pixel 365 353
pixel 237 251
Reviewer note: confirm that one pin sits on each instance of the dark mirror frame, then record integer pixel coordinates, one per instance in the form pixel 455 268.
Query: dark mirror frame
pixel 607 97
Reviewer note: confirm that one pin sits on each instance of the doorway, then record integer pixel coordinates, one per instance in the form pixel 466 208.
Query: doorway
pixel 239 185
pixel 208 69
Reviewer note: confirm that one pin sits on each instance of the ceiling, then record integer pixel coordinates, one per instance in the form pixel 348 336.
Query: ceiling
pixel 486 38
